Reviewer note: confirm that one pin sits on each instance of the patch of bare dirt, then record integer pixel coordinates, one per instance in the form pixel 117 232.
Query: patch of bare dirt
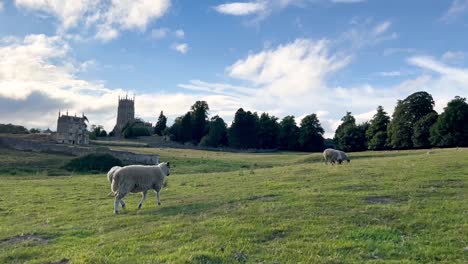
pixel 62 261
pixel 26 238
pixel 382 199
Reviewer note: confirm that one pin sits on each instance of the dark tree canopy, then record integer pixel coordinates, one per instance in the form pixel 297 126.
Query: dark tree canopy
pixel 288 134
pixel 311 134
pixel 421 130
pixel 343 137
pixel 377 132
pixel 243 131
pixel 268 132
pixel 186 128
pixel 451 128
pixel 161 124
pixel 13 129
pixel 199 112
pixel 406 114
pixel 217 133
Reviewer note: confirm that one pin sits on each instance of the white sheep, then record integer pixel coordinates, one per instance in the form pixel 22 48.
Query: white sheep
pixel 343 157
pixel 138 178
pixel 331 155
pixel 110 174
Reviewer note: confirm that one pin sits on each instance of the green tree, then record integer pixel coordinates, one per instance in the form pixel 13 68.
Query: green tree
pixel 288 134
pixel 34 130
pixel 407 113
pixel 97 131
pixel 311 134
pixel 343 133
pixel 451 128
pixel 377 132
pixel 186 128
pixel 13 129
pixel 217 133
pixel 161 124
pixel 199 120
pixel 243 131
pixel 349 136
pixel 421 130
pixel 268 132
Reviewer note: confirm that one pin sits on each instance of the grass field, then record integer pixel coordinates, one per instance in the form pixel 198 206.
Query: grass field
pixel 383 207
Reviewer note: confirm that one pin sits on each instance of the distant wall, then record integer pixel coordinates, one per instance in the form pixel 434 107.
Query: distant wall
pixel 45 147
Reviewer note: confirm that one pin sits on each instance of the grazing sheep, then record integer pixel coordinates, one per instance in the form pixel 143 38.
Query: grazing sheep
pixel 111 172
pixel 331 155
pixel 343 157
pixel 138 178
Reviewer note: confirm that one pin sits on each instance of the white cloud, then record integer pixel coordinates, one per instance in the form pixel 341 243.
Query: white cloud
pixel 179 33
pixel 382 27
pixel 38 78
pixel 295 68
pixel 1 6
pixel 457 7
pixel 390 73
pixel 108 17
pixel 180 47
pixel 159 33
pixel 453 56
pixel 367 33
pixel 241 8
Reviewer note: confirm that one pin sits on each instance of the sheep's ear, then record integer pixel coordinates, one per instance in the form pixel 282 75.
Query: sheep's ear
pixel 168 164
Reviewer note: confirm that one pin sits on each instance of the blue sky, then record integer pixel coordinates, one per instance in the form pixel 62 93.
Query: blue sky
pixel 285 57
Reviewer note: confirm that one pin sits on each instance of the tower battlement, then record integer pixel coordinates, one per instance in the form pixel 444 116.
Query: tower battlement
pixel 125 114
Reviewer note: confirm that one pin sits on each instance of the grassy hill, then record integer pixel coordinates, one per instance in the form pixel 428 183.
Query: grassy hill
pixel 401 207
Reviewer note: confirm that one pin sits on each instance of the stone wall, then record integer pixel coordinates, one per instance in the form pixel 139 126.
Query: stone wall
pixel 38 146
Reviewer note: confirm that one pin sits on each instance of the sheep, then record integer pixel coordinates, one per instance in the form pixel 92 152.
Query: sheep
pixel 111 172
pixel 343 156
pixel 331 155
pixel 138 178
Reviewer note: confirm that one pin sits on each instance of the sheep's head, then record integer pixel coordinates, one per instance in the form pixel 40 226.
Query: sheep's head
pixel 166 166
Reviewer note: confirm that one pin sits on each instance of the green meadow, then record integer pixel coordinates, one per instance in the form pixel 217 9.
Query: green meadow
pixel 220 207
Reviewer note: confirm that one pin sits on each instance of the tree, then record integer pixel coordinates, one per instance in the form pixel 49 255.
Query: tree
pixel 288 134
pixel 217 133
pixel 97 131
pixel 243 131
pixel 451 128
pixel 161 124
pixel 343 133
pixel 13 129
pixel 199 120
pixel 268 132
pixel 349 136
pixel 34 130
pixel 407 113
pixel 311 134
pixel 421 130
pixel 175 129
pixel 377 132
pixel 186 128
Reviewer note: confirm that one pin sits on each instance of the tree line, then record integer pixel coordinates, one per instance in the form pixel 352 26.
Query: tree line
pixel 414 124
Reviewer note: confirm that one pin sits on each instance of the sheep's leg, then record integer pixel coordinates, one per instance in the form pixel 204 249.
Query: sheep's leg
pixel 122 203
pixel 118 199
pixel 143 198
pixel 157 194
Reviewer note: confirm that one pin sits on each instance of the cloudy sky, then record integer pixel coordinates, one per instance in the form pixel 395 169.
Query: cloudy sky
pixel 285 57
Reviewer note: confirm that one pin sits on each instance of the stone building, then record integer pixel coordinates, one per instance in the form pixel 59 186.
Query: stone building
pixel 125 114
pixel 72 130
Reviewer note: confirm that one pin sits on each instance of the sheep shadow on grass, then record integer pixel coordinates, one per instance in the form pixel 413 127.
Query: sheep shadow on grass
pixel 185 209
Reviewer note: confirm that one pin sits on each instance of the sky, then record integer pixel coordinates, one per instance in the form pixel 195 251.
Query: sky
pixel 284 57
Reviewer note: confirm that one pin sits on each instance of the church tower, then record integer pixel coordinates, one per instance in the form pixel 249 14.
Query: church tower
pixel 125 114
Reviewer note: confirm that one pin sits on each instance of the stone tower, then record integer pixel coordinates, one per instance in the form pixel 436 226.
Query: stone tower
pixel 125 114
